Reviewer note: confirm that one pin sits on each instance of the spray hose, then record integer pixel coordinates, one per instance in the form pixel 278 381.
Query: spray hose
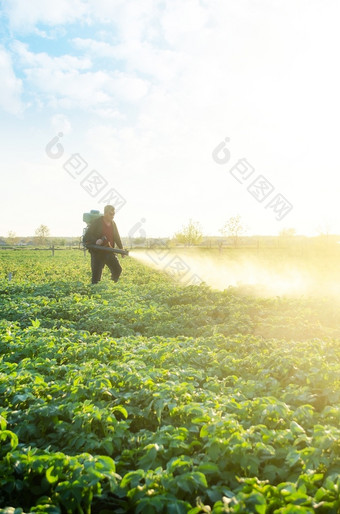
pixel 107 249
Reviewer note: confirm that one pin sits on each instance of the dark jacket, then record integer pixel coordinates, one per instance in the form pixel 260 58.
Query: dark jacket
pixel 95 231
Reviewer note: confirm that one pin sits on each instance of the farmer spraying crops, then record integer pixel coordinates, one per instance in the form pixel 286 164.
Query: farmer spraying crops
pixel 101 238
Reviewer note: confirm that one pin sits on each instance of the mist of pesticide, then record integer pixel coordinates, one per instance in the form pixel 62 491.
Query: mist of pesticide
pixel 278 276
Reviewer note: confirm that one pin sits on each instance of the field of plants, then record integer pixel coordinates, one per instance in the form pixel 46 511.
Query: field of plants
pixel 147 396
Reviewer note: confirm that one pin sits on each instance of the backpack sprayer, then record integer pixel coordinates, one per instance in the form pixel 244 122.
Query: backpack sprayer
pixel 89 217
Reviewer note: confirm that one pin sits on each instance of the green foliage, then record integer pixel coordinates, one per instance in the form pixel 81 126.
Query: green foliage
pixel 191 234
pixel 150 397
pixel 233 228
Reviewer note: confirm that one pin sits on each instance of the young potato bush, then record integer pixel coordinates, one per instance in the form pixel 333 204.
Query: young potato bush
pixel 148 396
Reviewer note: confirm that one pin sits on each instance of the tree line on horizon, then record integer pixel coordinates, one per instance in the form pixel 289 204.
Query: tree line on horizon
pixel 190 234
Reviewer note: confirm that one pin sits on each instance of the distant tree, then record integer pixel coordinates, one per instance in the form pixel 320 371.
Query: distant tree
pixel 138 241
pixel 324 232
pixel 191 234
pixel 233 228
pixel 285 236
pixel 58 241
pixel 287 232
pixel 324 229
pixel 41 234
pixel 11 238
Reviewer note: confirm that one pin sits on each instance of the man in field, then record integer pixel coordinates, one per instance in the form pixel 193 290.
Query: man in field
pixel 103 231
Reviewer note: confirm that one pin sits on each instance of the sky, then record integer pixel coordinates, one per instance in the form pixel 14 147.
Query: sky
pixel 172 111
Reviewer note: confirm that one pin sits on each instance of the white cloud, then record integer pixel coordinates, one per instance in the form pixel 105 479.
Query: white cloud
pixel 189 74
pixel 60 123
pixel 162 64
pixel 108 113
pixel 183 20
pixel 66 82
pixel 10 86
pixel 24 16
pixel 134 19
pixel 43 60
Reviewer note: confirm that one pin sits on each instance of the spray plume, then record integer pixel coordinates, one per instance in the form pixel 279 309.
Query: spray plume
pixel 270 274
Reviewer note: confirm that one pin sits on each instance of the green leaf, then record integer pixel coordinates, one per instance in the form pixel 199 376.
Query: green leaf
pixel 51 478
pixel 13 439
pixel 132 478
pixel 209 468
pixel 177 507
pixel 148 460
pixel 121 409
pixel 105 463
pixel 3 423
pixel 296 428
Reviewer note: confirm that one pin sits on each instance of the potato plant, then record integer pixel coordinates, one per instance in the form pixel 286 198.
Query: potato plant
pixel 148 396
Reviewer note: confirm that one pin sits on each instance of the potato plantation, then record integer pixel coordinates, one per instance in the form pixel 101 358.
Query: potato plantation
pixel 147 396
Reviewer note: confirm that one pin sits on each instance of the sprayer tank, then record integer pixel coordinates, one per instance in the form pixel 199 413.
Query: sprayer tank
pixel 88 217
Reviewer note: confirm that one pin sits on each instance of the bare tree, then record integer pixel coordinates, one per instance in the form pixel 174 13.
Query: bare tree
pixel 324 229
pixel 191 234
pixel 11 238
pixel 233 228
pixel 286 236
pixel 287 232
pixel 324 232
pixel 41 234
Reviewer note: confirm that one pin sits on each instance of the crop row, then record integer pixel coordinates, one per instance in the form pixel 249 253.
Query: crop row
pixel 205 410
pixel 148 303
pixel 147 396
